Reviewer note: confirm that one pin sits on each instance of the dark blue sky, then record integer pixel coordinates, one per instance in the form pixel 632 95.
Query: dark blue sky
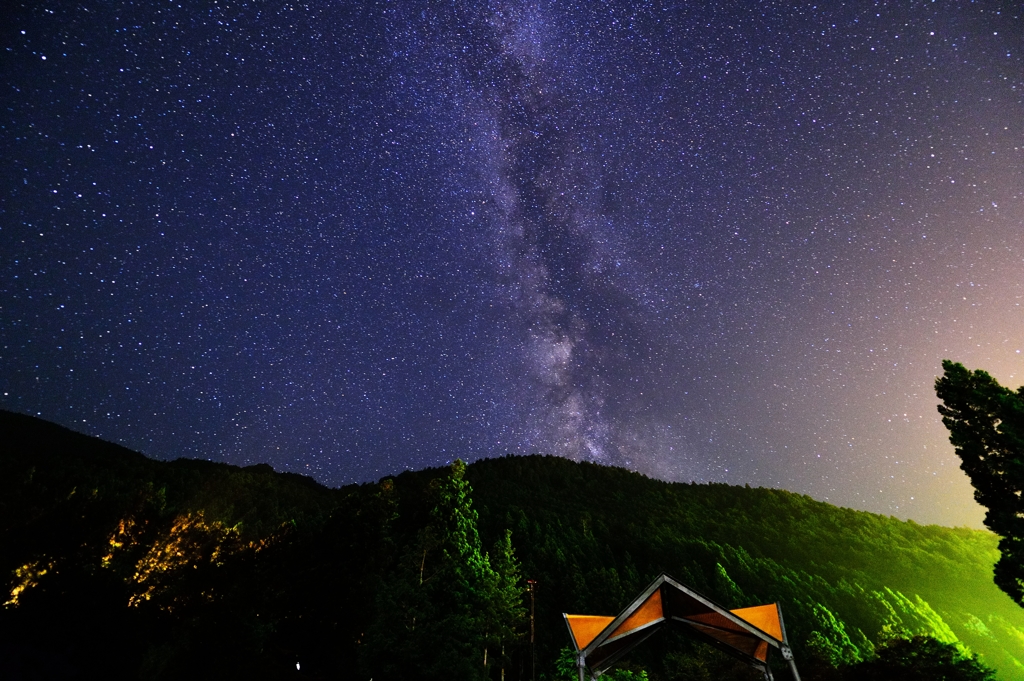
pixel 727 242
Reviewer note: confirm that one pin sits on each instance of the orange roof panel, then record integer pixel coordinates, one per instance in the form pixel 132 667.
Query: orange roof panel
pixel 585 628
pixel 744 643
pixel 764 617
pixel 717 619
pixel 649 611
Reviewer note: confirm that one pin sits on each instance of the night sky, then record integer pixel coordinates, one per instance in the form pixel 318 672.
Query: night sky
pixel 705 241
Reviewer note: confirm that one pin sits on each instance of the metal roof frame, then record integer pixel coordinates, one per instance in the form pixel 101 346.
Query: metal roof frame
pixel 667 602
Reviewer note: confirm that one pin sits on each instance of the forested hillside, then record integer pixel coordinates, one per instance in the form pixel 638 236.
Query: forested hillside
pixel 594 536
pixel 115 563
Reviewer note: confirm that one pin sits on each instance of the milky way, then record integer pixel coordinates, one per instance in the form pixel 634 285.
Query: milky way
pixel 714 243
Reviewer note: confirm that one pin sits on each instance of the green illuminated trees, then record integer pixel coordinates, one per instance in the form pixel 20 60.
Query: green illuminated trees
pixel 506 612
pixel 459 579
pixel 447 612
pixel 921 659
pixel 986 426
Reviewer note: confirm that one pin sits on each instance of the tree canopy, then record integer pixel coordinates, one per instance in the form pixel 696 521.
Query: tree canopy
pixel 986 426
pixel 447 609
pixel 920 658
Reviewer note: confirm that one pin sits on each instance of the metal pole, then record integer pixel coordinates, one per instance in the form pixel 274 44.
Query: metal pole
pixel 787 655
pixel 533 649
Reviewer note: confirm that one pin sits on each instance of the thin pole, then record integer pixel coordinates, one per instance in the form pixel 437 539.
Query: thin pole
pixel 787 653
pixel 532 631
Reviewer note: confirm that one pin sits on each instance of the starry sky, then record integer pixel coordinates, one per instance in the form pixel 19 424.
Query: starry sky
pixel 705 241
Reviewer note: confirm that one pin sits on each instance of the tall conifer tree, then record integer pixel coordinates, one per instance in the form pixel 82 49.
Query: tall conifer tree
pixel 432 622
pixel 986 426
pixel 507 612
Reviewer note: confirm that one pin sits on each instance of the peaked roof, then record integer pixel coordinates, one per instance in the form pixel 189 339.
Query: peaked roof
pixel 746 633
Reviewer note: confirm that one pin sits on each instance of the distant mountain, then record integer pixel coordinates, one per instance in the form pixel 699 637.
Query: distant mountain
pixel 113 564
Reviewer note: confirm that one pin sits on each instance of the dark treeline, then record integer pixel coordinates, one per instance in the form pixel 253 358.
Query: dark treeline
pixel 116 565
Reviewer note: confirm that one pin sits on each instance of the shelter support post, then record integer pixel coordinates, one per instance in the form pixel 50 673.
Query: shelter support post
pixel 787 655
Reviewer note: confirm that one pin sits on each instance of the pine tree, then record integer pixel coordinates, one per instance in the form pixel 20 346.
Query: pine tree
pixel 507 611
pixel 986 426
pixel 432 617
pixel 459 581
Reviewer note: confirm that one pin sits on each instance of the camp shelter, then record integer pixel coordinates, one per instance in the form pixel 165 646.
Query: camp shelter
pixel 745 633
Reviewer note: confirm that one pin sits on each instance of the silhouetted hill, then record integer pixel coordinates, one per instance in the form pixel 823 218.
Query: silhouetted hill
pixel 117 564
